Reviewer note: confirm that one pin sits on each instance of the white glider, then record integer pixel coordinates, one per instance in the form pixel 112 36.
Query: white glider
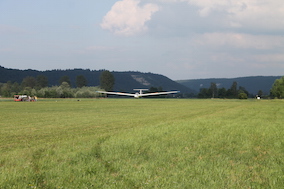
pixel 139 94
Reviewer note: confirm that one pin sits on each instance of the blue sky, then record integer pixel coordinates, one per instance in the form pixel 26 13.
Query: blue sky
pixel 181 39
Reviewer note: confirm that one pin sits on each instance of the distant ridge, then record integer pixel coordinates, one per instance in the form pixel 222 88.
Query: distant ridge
pixel 252 84
pixel 124 81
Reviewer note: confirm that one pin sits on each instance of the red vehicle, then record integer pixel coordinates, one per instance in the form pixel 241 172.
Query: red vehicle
pixel 18 98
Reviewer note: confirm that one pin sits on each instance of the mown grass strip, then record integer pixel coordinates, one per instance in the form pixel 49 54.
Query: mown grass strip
pixel 145 143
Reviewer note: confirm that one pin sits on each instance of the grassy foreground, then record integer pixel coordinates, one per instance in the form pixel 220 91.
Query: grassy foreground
pixel 142 143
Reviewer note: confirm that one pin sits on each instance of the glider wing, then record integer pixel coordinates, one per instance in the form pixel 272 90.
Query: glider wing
pixel 116 93
pixel 158 93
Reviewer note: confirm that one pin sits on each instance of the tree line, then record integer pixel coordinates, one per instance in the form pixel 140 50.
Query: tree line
pixel 38 86
pixel 277 91
pixel 233 92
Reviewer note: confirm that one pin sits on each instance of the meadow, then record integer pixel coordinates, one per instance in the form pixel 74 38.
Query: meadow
pixel 142 143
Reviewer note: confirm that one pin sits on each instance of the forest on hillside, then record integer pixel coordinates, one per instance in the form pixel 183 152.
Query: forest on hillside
pixel 234 91
pixel 40 86
pixel 85 83
pixel 124 81
pixel 252 84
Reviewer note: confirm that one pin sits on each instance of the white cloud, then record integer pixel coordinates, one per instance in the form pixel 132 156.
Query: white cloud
pixel 251 15
pixel 257 14
pixel 127 17
pixel 240 40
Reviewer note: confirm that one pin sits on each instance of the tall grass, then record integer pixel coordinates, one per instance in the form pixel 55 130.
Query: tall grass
pixel 145 143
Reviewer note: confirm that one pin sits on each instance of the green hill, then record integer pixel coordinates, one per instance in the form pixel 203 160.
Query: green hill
pixel 124 81
pixel 252 84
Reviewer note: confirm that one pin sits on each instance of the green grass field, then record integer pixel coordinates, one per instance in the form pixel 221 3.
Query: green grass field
pixel 142 143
